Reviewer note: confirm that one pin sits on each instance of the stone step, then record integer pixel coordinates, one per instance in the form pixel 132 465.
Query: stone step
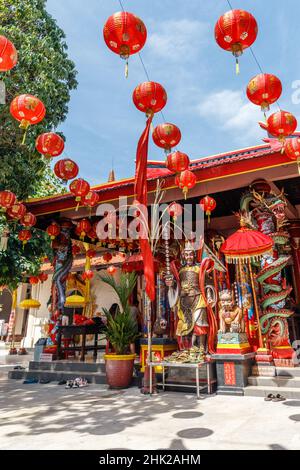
pixel 56 376
pixel 67 366
pixel 279 381
pixel 260 391
pixel 288 371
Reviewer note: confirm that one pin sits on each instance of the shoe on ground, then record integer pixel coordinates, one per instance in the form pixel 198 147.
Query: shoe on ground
pixel 69 384
pixel 30 381
pixel 269 397
pixel 279 397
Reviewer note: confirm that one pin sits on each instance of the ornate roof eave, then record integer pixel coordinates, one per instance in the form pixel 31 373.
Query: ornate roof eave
pixel 206 169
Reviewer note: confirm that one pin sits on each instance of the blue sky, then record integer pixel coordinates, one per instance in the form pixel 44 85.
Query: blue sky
pixel 205 97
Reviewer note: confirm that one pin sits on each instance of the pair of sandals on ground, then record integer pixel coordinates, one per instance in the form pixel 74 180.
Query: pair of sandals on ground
pixel 79 382
pixel 272 397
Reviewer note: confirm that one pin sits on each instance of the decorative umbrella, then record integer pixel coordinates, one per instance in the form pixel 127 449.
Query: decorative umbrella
pixel 243 247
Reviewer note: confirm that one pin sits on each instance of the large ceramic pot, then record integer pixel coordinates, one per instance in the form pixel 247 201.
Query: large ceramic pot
pixel 119 370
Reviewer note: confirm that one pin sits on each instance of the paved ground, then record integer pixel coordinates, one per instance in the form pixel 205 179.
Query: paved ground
pixel 49 417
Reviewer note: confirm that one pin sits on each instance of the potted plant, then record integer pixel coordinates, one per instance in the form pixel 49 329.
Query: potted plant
pixel 121 331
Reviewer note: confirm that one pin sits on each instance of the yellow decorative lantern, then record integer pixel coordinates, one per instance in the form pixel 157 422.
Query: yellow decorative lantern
pixel 75 301
pixel 29 303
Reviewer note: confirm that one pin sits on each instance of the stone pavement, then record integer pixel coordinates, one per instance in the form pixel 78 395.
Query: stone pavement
pixel 50 417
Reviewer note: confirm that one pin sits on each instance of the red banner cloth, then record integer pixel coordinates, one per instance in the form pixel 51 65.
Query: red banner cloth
pixel 140 190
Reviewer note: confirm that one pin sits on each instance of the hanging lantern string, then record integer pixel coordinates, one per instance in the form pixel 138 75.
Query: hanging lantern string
pixel 253 55
pixel 143 63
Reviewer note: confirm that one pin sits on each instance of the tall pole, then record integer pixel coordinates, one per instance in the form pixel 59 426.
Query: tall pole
pixel 261 342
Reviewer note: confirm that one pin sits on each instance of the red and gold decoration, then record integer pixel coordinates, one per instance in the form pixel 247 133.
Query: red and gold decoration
pixel 149 97
pixel 28 110
pixel 92 234
pixel 235 31
pixel 43 277
pixel 53 230
pixel 175 210
pixel 80 188
pixel 91 199
pixel 28 220
pixel 7 200
pixel 185 180
pixel 33 280
pixel 17 211
pixel 263 90
pixel 107 257
pixel 66 169
pixel 91 253
pixel 8 54
pixel 177 162
pixel 111 270
pixel 166 136
pixel 292 148
pixel 24 236
pixel 124 34
pixel 208 204
pixel 50 144
pixel 280 124
pixel 83 228
pixel 88 275
pixel 75 250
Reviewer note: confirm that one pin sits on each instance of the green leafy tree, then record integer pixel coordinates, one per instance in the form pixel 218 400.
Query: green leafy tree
pixel 43 70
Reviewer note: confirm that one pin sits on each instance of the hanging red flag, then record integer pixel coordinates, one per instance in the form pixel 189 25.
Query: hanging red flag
pixel 140 190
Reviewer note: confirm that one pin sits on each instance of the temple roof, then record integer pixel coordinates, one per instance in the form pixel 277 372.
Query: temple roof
pixel 206 169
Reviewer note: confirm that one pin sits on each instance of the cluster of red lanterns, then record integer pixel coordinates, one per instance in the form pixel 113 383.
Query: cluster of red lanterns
pixel 42 277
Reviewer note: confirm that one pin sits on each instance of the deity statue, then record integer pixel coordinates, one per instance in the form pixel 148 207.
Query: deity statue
pixel 193 299
pixel 230 314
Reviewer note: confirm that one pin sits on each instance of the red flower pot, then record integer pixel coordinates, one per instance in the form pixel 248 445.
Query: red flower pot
pixel 119 370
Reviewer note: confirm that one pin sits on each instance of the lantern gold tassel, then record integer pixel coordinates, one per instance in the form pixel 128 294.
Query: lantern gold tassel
pixel 237 66
pixel 126 69
pixel 24 125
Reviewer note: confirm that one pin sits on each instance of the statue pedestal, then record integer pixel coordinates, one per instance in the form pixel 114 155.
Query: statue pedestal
pixel 233 343
pixel 161 348
pixel 233 371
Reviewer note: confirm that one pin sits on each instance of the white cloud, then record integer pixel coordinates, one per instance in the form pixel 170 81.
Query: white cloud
pixel 231 112
pixel 178 40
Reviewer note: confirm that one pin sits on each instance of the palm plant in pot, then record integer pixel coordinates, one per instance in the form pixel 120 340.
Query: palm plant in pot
pixel 121 331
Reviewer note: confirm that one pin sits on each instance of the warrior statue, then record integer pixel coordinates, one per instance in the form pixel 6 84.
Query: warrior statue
pixel 193 298
pixel 267 212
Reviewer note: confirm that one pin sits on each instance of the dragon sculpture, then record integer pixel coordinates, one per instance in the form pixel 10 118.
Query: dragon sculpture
pixel 63 259
pixel 266 211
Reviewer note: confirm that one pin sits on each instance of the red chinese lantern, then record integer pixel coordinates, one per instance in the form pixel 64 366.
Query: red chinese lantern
pixel 166 136
pixel 92 234
pixel 33 280
pixel 91 199
pixel 53 230
pixel 107 257
pixel 24 236
pixel 75 250
pixel 263 90
pixel 8 54
pixel 83 228
pixel 29 220
pixel 177 162
pixel 111 270
pixel 280 124
pixel 185 180
pixel 17 211
pixel 91 253
pixel 175 210
pixel 43 277
pixel 28 110
pixel 149 97
pixel 292 148
pixel 235 31
pixel 208 204
pixel 7 200
pixel 88 275
pixel 66 169
pixel 124 34
pixel 50 144
pixel 79 188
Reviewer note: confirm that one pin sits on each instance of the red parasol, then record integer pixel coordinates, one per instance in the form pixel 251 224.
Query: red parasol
pixel 245 245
